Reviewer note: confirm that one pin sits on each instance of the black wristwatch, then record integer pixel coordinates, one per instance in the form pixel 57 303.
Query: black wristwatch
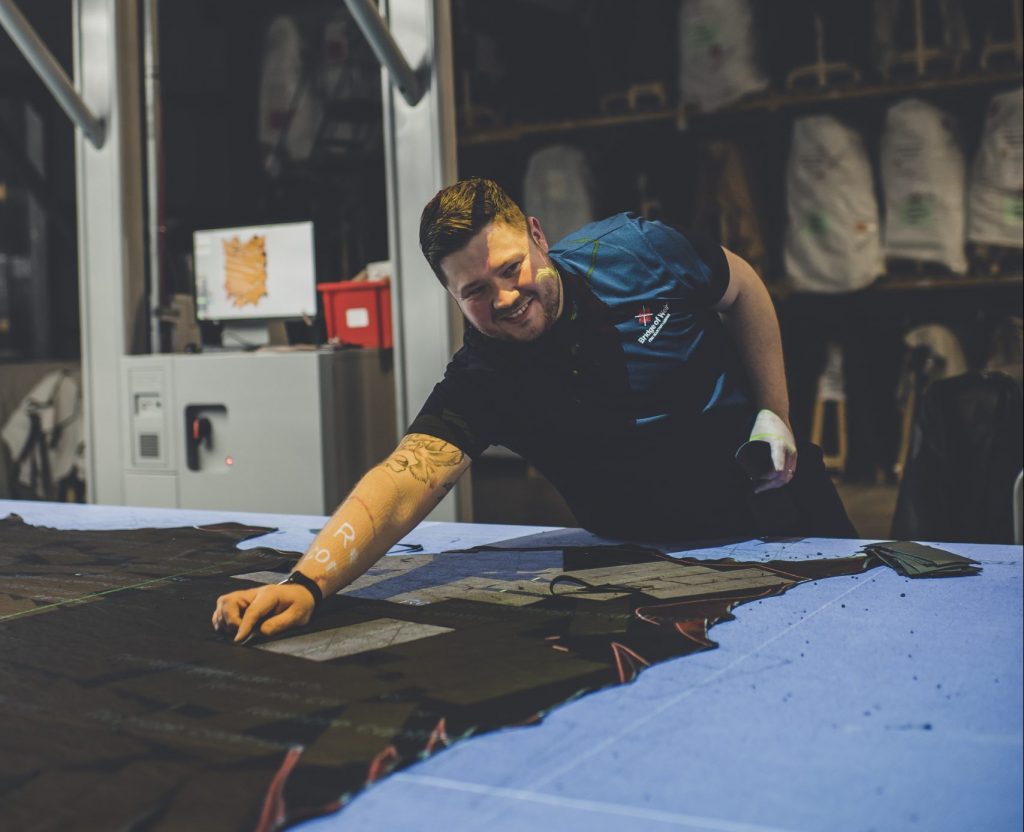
pixel 308 583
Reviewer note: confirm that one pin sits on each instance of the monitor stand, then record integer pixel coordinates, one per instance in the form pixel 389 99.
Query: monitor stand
pixel 243 335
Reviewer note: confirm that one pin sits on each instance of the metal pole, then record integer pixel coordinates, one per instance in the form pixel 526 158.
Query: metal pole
pixel 50 72
pixel 376 32
pixel 420 159
pixel 154 165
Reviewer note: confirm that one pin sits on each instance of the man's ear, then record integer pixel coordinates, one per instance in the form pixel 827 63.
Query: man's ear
pixel 442 278
pixel 537 234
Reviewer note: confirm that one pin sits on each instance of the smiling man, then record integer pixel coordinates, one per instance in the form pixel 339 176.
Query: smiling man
pixel 627 362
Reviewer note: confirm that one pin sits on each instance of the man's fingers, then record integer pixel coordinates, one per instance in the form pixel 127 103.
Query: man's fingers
pixel 776 479
pixel 268 610
pixel 263 604
pixel 791 460
pixel 228 613
pixel 292 616
pixel 783 455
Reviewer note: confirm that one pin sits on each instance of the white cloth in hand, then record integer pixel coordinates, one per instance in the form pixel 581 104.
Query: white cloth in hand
pixel 771 429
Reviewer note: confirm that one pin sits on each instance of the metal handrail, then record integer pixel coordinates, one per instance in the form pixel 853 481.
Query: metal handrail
pixel 50 72
pixel 1018 509
pixel 388 52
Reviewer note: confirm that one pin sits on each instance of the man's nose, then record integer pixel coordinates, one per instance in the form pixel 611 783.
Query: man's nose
pixel 507 296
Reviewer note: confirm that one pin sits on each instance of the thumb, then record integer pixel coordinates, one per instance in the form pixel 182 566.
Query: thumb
pixel 262 604
pixel 295 615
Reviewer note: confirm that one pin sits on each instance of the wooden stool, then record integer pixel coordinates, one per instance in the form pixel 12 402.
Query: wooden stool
pixel 830 392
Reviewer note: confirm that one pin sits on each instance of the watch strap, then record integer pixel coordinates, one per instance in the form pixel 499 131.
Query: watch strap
pixel 304 581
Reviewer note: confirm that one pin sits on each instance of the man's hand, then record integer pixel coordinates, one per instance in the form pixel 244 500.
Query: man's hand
pixel 386 504
pixel 278 606
pixel 771 429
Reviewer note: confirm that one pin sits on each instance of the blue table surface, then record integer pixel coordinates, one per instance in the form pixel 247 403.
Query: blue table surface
pixel 868 702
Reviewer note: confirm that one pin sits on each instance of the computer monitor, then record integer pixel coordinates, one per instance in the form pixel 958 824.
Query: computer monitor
pixel 259 273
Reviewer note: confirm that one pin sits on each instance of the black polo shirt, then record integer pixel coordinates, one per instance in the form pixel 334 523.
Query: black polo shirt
pixel 632 404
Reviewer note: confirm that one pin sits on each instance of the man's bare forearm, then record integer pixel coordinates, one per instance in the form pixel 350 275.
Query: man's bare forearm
pixel 754 326
pixel 386 504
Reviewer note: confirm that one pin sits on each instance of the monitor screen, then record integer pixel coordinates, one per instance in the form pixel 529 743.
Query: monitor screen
pixel 259 272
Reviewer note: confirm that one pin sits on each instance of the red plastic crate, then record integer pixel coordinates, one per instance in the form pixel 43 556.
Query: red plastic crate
pixel 358 312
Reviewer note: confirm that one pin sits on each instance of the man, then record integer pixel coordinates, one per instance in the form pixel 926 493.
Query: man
pixel 604 362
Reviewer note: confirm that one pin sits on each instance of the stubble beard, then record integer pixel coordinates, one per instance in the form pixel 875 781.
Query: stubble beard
pixel 552 303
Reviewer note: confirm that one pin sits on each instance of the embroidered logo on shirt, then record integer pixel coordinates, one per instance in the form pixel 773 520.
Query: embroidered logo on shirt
pixel 659 321
pixel 644 317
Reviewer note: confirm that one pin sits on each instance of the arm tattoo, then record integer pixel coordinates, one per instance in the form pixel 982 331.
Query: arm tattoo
pixel 423 457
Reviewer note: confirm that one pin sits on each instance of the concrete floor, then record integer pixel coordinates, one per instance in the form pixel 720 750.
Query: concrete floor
pixel 870 507
pixel 509 491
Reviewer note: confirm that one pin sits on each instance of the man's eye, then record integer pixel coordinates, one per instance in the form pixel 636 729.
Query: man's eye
pixel 511 270
pixel 472 293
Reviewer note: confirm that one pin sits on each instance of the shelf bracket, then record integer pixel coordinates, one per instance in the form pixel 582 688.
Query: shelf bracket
pixel 51 73
pixel 388 52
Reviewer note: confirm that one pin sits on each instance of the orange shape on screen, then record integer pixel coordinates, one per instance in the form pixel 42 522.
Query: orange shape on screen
pixel 245 270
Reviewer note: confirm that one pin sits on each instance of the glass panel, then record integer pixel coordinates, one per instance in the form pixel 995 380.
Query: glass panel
pixel 38 245
pixel 271 114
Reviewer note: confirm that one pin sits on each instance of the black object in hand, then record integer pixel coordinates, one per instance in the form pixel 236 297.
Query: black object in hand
pixel 755 458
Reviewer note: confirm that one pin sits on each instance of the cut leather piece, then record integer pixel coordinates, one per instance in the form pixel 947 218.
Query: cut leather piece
pixel 916 560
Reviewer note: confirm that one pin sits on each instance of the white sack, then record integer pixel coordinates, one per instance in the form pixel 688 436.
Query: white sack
pixel 57 402
pixel 716 48
pixel 558 190
pixel 948 358
pixel 924 179
pixel 832 234
pixel 995 208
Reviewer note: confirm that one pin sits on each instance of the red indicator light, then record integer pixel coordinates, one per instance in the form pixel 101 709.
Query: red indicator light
pixel 229 460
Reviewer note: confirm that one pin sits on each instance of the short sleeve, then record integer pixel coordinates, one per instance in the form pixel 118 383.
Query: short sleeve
pixel 455 410
pixel 696 260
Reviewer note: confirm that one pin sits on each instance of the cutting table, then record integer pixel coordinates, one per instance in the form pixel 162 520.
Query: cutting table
pixel 865 702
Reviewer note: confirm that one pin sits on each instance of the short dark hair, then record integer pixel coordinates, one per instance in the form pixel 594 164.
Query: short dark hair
pixel 455 215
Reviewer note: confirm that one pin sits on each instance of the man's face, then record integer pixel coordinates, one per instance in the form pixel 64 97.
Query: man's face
pixel 504 282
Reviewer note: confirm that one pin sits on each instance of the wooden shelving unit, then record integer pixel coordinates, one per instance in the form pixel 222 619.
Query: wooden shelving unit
pixel 780 291
pixel 904 284
pixel 801 98
pixel 767 103
pixel 518 131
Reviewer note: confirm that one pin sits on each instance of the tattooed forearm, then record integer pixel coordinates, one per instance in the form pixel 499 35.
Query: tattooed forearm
pixel 424 457
pixel 445 488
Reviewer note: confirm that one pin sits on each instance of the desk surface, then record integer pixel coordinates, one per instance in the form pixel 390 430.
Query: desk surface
pixel 868 702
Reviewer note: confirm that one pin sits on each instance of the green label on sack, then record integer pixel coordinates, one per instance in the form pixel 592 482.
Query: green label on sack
pixel 917 211
pixel 816 223
pixel 1013 208
pixel 703 34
